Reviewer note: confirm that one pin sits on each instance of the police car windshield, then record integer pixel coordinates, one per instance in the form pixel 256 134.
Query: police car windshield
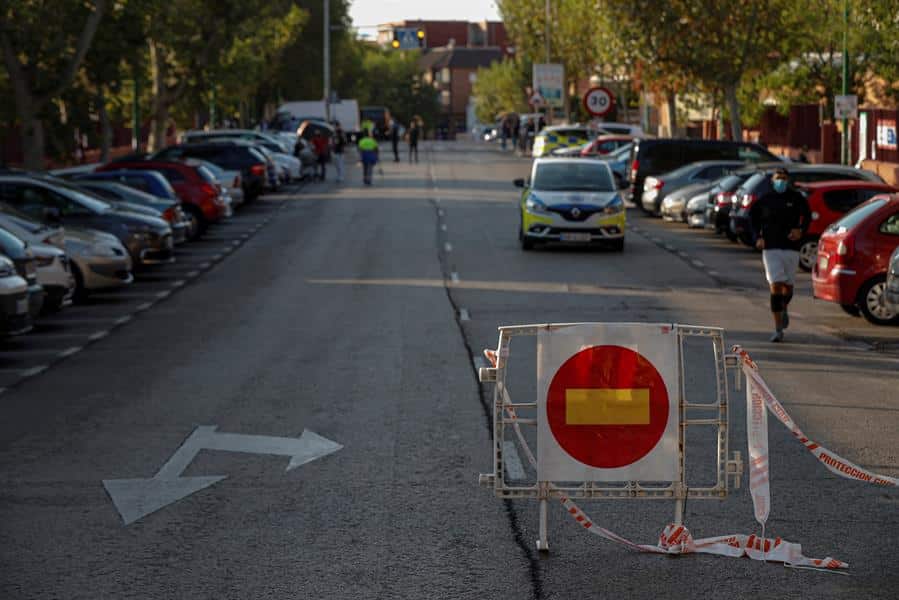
pixel 581 176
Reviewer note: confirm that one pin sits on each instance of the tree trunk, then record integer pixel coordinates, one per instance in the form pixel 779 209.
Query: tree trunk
pixel 33 140
pixel 160 110
pixel 158 126
pixel 105 127
pixel 672 114
pixel 733 107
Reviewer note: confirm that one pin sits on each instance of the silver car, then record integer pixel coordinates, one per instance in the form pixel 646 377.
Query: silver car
pixel 891 294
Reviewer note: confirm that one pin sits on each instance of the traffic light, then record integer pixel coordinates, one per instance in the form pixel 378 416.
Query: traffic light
pixel 396 39
pixel 421 38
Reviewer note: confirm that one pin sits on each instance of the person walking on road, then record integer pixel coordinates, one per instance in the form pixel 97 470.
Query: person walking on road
pixel 395 140
pixel 322 151
pixel 339 146
pixel 414 134
pixel 368 151
pixel 780 219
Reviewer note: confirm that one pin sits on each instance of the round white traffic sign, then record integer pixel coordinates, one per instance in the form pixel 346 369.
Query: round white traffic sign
pixel 599 101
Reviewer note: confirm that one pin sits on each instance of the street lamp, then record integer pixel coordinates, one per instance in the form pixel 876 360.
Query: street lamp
pixel 844 149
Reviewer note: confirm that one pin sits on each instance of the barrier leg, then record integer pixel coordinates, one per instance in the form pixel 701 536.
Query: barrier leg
pixel 543 543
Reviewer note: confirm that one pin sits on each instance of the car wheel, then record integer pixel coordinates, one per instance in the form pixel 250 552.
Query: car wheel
pixel 617 245
pixel 746 239
pixel 872 302
pixel 197 222
pixel 81 292
pixel 851 310
pixel 730 234
pixel 808 254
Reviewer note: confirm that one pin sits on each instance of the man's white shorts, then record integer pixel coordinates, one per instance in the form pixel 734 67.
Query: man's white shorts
pixel 780 265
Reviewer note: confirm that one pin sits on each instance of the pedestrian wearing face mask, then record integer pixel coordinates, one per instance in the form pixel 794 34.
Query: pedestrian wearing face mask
pixel 780 219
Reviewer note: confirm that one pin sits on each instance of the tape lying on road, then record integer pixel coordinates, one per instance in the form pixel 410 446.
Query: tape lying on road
pixel 676 539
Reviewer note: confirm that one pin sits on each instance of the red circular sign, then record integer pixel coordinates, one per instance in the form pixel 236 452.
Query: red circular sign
pixel 607 406
pixel 599 101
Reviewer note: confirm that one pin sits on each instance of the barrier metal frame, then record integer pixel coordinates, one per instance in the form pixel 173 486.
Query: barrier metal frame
pixel 506 421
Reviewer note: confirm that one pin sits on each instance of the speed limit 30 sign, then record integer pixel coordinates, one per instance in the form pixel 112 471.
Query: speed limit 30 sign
pixel 599 101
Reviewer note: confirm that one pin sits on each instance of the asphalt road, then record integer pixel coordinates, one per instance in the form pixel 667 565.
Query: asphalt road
pixel 359 314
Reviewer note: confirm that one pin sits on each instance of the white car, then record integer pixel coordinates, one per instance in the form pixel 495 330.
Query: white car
pixel 55 275
pixel 258 137
pixel 696 209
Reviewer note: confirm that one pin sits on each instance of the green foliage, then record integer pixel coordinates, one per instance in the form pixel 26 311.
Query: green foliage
pixel 392 78
pixel 500 88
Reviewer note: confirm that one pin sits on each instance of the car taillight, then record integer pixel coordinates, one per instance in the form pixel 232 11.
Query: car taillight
pixel 747 200
pixel 169 214
pixel 258 170
pixel 659 184
pixel 209 189
pixel 844 248
pixel 635 165
pixel 723 198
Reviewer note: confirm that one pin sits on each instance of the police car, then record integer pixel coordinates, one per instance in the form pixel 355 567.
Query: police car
pixel 560 136
pixel 570 200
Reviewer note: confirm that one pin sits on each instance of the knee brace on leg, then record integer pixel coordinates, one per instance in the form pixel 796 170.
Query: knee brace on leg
pixel 777 303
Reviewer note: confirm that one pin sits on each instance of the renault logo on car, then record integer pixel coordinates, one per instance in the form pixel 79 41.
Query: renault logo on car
pixel 575 212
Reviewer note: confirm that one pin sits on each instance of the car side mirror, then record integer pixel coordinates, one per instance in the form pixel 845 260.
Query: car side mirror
pixel 52 215
pixel 519 182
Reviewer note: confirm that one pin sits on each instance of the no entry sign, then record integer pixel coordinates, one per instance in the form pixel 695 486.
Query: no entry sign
pixel 607 395
pixel 607 406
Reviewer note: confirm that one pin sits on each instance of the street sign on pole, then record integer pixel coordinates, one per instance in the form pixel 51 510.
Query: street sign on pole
pixel 845 107
pixel 408 38
pixel 549 82
pixel 599 101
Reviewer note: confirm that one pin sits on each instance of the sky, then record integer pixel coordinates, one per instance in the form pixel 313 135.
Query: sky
pixel 369 13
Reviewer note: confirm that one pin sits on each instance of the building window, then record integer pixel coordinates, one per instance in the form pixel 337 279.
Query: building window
pixel 445 75
pixel 445 98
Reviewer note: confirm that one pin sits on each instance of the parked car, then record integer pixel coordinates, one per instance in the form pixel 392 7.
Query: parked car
pixel 196 187
pixel 54 273
pixel 15 318
pixel 618 160
pixel 571 201
pixel 760 184
pixel 17 250
pixel 674 206
pixel 49 199
pixel 134 200
pixel 696 209
pixel 150 182
pixel 853 259
pixel 249 135
pixel 569 151
pixel 231 156
pixel 892 287
pixel 655 156
pixel 605 144
pixel 721 198
pixel 229 180
pixel 829 201
pixel 656 187
pixel 560 136
pixel 621 128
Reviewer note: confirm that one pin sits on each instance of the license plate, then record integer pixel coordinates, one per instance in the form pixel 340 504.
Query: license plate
pixel 575 237
pixel 822 263
pixel 21 306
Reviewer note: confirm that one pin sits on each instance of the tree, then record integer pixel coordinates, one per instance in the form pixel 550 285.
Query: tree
pixel 878 24
pixel 392 79
pixel 499 88
pixel 43 46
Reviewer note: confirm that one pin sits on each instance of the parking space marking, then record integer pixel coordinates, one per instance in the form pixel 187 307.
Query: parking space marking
pixel 164 294
pixel 464 314
pixel 123 320
pixel 192 274
pixel 99 335
pixel 34 371
pixel 179 283
pixel 440 213
pixel 714 273
pixel 454 277
pixel 144 306
pixel 698 263
pixel 443 227
pixel 447 247
pixel 70 351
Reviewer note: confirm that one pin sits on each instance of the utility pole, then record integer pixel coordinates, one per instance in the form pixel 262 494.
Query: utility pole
pixel 212 102
pixel 844 153
pixel 327 55
pixel 546 33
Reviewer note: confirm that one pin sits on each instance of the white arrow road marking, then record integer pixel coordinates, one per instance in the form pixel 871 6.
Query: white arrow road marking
pixel 137 498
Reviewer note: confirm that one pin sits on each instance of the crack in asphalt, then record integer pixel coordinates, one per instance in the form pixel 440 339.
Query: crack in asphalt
pixel 530 555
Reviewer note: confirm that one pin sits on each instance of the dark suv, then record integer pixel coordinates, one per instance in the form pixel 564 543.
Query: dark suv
pixel 760 184
pixel 655 156
pixel 229 155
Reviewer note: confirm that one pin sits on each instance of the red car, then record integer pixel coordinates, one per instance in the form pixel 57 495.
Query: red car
pixel 853 257
pixel 829 202
pixel 605 144
pixel 200 194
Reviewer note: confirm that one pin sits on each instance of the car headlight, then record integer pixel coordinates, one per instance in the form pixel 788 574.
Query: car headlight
pixel 7 267
pixel 614 207
pixel 535 205
pixel 102 250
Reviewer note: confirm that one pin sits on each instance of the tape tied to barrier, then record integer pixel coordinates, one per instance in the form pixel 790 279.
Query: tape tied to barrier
pixel 677 539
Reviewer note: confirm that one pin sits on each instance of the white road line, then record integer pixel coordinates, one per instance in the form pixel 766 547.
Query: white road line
pixel 205 265
pixel 179 283
pixel 670 248
pixel 512 462
pixel 216 257
pixel 70 351
pixel 99 335
pixel 164 294
pixel 683 254
pixel 34 371
pixel 443 227
pixel 440 213
pixel 123 320
pixel 447 247
pixel 656 240
pixel 698 263
pixel 714 273
pixel 191 274
pixel 454 277
pixel 144 306
pixel 464 315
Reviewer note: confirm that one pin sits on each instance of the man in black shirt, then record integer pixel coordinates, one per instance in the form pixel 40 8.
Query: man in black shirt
pixel 780 219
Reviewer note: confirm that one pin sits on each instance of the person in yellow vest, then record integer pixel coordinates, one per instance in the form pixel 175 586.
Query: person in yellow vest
pixel 368 151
